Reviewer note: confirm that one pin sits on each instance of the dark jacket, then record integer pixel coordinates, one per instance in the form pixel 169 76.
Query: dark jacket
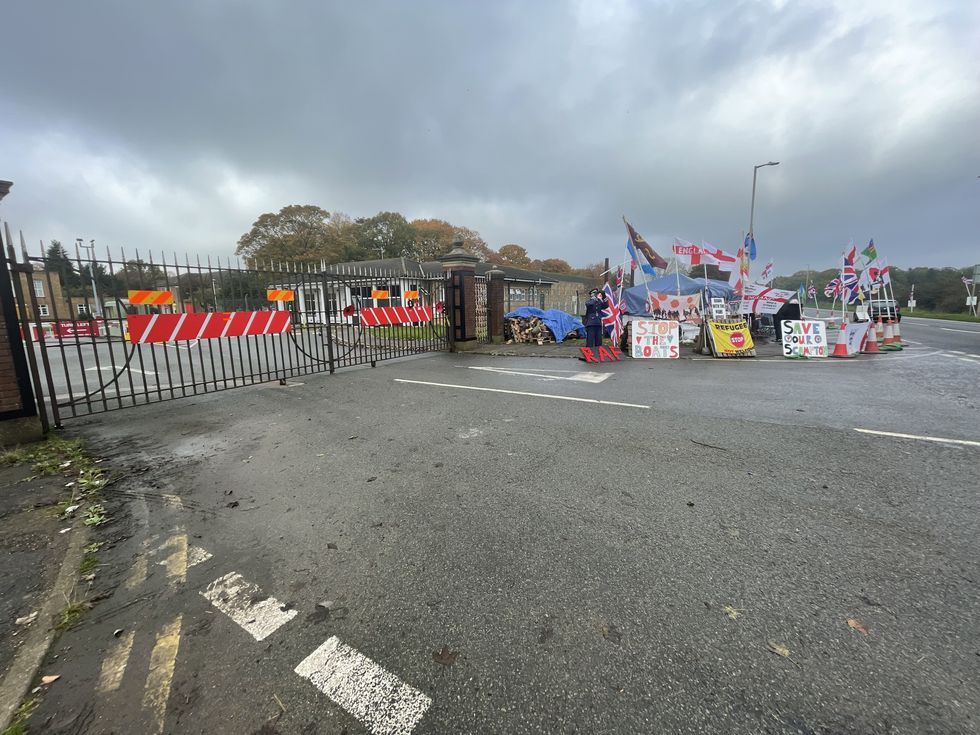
pixel 593 310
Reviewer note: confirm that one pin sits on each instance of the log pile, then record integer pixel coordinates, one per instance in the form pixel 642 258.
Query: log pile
pixel 527 330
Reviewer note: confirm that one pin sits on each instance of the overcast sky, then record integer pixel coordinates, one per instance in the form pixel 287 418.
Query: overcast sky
pixel 173 125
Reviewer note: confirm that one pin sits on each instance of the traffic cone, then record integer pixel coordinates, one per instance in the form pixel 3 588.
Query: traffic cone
pixel 896 328
pixel 879 330
pixel 870 346
pixel 840 349
pixel 889 341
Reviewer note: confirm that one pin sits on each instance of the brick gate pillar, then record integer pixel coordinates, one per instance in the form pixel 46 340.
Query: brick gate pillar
pixel 495 305
pixel 19 420
pixel 459 265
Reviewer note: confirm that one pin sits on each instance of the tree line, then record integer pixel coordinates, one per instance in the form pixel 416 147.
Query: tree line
pixel 306 233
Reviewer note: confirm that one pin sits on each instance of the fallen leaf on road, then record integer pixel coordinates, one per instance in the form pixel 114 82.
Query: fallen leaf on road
pixel 352 437
pixel 232 504
pixel 445 657
pixel 779 649
pixel 27 619
pixel 610 633
pixel 331 545
pixel 372 479
pixel 50 679
pixel 855 624
pixel 732 612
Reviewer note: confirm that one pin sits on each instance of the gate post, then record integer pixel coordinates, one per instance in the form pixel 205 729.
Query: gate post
pixel 459 265
pixel 19 420
pixel 495 305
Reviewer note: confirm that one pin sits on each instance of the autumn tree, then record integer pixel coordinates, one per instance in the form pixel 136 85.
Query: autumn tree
pixel 434 237
pixel 552 265
pixel 512 254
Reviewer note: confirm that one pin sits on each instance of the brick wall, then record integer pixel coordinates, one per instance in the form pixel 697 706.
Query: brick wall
pixel 10 399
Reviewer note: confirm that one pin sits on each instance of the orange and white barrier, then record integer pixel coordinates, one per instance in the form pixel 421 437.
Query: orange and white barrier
pixel 153 298
pixel 382 316
pixel 280 294
pixel 148 328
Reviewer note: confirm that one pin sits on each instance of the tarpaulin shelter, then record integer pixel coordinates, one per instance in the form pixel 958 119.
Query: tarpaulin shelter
pixel 560 323
pixel 636 297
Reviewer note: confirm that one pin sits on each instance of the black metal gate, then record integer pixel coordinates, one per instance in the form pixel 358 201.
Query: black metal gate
pixel 103 334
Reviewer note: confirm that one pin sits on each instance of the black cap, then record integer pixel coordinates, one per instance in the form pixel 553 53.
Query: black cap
pixel 595 290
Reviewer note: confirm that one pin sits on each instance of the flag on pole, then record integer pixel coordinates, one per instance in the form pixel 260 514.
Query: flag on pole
pixel 802 291
pixel 739 279
pixel 638 244
pixel 716 256
pixel 832 289
pixel 869 252
pixel 811 292
pixel 966 281
pixel 884 274
pixel 620 274
pixel 766 274
pixel 686 252
pixel 849 279
pixel 750 246
pixel 613 315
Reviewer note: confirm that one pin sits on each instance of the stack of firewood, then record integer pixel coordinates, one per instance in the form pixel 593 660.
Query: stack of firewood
pixel 527 330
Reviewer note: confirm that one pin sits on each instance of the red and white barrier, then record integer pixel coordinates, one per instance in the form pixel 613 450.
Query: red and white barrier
pixel 145 328
pixel 384 315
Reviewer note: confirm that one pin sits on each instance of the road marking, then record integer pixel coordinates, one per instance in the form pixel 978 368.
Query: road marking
pixel 114 665
pixel 162 661
pixel 969 360
pixel 176 563
pixel 196 555
pixel 130 368
pixel 173 501
pixel 372 694
pixel 968 331
pixel 521 393
pixel 236 598
pixel 577 377
pixel 137 575
pixel 956 352
pixel 964 442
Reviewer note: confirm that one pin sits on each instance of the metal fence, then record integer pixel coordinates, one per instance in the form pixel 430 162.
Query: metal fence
pixel 482 325
pixel 112 332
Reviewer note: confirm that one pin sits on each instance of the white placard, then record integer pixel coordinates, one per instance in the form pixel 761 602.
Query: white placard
pixel 804 339
pixel 654 338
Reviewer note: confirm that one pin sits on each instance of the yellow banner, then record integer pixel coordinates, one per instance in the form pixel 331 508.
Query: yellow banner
pixel 731 339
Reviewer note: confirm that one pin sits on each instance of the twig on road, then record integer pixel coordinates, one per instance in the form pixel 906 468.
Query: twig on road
pixel 710 446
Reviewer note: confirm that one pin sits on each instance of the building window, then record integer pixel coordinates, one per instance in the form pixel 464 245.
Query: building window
pixel 42 309
pixel 82 309
pixel 39 288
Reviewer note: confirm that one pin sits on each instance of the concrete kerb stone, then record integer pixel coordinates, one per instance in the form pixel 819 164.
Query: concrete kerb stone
pixel 29 658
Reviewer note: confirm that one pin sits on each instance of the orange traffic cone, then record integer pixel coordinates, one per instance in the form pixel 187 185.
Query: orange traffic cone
pixel 870 346
pixel 889 341
pixel 879 330
pixel 896 328
pixel 840 349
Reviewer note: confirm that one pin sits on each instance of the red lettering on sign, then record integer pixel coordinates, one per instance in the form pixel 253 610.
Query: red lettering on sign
pixel 588 354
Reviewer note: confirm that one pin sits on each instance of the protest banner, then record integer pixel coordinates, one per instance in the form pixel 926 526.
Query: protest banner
pixel 679 308
pixel 854 336
pixel 758 299
pixel 731 339
pixel 804 339
pixel 653 338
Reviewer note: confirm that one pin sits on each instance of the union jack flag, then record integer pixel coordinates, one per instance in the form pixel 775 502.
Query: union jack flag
pixel 849 279
pixel 832 289
pixel 811 292
pixel 613 315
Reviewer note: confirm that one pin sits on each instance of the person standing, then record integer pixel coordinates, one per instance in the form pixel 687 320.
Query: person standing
pixel 593 318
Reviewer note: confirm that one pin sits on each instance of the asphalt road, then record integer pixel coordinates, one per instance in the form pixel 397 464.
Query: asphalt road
pixel 589 566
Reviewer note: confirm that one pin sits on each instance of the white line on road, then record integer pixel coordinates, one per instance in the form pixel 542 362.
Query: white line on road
pixel 235 597
pixel 196 555
pixel 112 369
pixel 956 352
pixel 968 331
pixel 576 377
pixel 964 442
pixel 969 360
pixel 372 694
pixel 521 393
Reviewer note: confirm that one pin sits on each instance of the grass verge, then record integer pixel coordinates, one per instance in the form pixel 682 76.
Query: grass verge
pixel 18 726
pixel 942 315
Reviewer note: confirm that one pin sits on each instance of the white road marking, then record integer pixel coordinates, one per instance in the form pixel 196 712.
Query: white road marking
pixel 196 555
pixel 956 352
pixel 235 597
pixel 112 369
pixel 968 331
pixel 522 393
pixel 372 694
pixel 964 442
pixel 577 377
pixel 969 360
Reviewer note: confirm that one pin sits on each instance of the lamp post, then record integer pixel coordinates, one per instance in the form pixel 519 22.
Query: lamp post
pixel 755 173
pixel 91 271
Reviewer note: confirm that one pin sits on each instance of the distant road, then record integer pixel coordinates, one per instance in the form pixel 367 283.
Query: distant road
pixel 943 334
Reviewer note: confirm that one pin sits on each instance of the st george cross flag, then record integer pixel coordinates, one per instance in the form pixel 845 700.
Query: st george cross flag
pixel 686 252
pixel 716 256
pixel 766 274
pixel 884 275
pixel 613 316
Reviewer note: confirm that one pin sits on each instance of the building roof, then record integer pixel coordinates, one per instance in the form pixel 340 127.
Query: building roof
pixel 433 269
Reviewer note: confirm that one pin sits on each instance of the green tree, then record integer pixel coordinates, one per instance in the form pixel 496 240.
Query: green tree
pixel 434 237
pixel 56 260
pixel 385 235
pixel 297 232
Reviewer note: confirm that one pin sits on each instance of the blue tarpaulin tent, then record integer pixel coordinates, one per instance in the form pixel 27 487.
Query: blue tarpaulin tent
pixel 636 297
pixel 560 323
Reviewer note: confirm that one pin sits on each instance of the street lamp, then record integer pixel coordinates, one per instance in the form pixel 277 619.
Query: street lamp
pixel 91 271
pixel 755 172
